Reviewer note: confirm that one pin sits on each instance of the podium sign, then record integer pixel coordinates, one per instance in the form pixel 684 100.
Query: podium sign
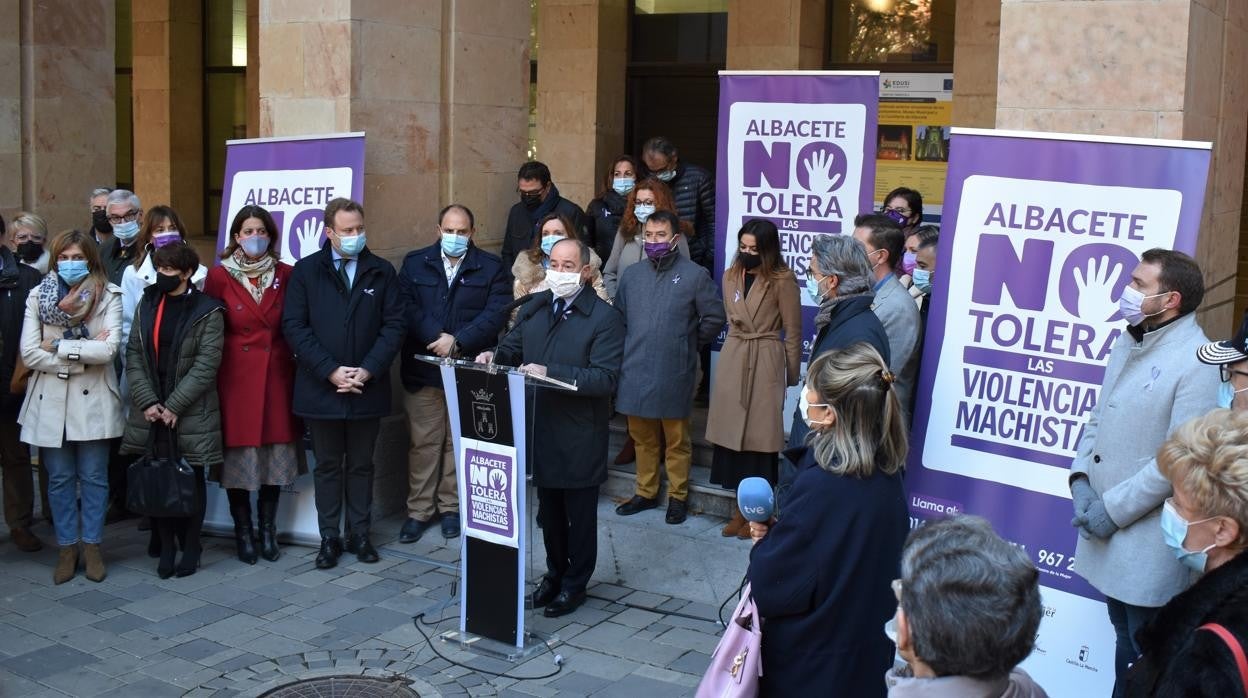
pixel 488 429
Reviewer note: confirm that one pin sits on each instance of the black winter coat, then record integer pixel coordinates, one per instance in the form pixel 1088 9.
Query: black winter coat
pixel 604 215
pixel 16 282
pixel 693 189
pixel 116 258
pixel 328 326
pixel 820 579
pixel 852 321
pixel 568 448
pixel 470 308
pixel 1180 661
pixel 522 226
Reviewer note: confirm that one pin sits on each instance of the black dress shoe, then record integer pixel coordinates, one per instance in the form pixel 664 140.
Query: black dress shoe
pixel 677 511
pixel 545 593
pixel 331 550
pixel 362 547
pixel 450 524
pixel 413 529
pixel 564 604
pixel 636 505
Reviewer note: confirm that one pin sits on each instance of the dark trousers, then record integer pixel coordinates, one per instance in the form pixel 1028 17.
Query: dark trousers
pixel 343 449
pixel 570 530
pixel 1127 620
pixel 19 479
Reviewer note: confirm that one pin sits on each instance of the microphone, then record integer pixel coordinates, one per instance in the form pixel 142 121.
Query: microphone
pixel 756 500
pixel 521 301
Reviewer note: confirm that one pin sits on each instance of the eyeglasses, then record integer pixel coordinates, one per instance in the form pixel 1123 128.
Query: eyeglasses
pixel 1227 372
pixel 894 209
pixel 125 218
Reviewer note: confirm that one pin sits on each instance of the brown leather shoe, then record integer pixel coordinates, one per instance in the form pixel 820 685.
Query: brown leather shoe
pixel 26 541
pixel 94 561
pixel 733 528
pixel 66 564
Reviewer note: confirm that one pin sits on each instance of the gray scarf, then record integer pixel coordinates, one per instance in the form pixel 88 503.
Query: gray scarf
pixel 824 315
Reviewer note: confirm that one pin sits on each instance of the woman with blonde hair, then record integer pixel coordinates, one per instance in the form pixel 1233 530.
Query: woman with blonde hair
pixel 70 336
pixel 820 575
pixel 1190 647
pixel 30 234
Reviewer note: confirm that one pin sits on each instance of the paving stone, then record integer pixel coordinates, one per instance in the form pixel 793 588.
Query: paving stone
pixel 666 675
pixel 88 639
pixel 604 636
pixel 330 610
pixel 227 630
pixel 162 605
pixel 93 601
pixel 119 665
pixel 689 639
pixel 259 605
pixel 270 645
pixel 297 628
pixel 239 662
pixel 691 663
pixel 196 650
pixel 171 668
pixel 611 592
pixel 356 580
pixel 15 641
pixel 54 621
pixel 147 688
pixel 635 618
pixel 47 661
pixel 635 685
pixel 577 683
pixel 81 682
pixel 649 652
pixel 671 605
pixel 601 665
pixel 370 621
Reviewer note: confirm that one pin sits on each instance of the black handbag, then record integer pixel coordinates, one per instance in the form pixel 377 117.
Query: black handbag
pixel 161 486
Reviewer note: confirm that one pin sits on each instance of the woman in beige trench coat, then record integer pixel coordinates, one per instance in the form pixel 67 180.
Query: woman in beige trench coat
pixel 761 356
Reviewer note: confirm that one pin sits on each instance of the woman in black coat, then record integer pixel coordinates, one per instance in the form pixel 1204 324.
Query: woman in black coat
pixel 1206 524
pixel 821 575
pixel 607 209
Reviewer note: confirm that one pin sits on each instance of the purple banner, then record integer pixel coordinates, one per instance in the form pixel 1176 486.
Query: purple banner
pixel 293 178
pixel 797 149
pixel 1041 235
pixel 490 507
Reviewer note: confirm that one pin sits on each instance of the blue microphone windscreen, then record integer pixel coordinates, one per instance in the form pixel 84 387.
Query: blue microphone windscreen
pixel 755 499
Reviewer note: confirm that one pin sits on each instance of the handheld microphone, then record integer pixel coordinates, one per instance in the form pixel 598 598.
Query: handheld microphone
pixel 756 500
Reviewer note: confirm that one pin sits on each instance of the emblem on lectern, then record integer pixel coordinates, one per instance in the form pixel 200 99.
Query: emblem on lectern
pixel 484 419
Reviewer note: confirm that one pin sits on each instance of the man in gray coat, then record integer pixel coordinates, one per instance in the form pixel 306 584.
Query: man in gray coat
pixel 1153 383
pixel 671 308
pixel 884 243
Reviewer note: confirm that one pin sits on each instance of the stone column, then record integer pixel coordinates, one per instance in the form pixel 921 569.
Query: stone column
pixel 977 37
pixel 1077 66
pixel 57 120
pixel 779 35
pixel 580 91
pixel 169 106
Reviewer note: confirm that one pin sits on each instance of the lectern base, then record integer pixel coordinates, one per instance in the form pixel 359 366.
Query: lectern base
pixel 534 643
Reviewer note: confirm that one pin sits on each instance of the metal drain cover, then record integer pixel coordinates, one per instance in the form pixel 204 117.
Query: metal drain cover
pixel 345 687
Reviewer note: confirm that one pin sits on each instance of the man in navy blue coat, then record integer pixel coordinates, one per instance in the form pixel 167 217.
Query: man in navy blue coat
pixel 344 319
pixel 454 293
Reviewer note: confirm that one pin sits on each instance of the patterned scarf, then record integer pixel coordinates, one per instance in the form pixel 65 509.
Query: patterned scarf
pixel 824 316
pixel 70 310
pixel 246 272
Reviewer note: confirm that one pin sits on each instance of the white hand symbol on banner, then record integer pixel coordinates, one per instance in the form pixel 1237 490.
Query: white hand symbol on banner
pixel 821 172
pixel 1096 285
pixel 309 236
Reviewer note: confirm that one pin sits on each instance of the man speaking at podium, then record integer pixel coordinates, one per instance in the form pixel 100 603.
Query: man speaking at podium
pixel 575 337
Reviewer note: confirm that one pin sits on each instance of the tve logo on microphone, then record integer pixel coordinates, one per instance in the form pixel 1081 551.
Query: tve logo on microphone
pixel 755 499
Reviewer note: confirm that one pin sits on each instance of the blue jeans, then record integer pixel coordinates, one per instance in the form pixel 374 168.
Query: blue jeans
pixel 77 470
pixel 1127 620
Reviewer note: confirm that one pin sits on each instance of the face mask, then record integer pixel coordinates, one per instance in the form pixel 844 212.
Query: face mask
pixel 254 246
pixel 1174 530
pixel 922 280
pixel 549 241
pixel 454 245
pixel 749 261
pixel 163 239
pixel 812 289
pixel 803 404
pixel 890 629
pixel 908 260
pixel 29 251
pixel 1226 395
pixel 1131 303
pixel 99 221
pixel 643 212
pixel 351 245
pixel 563 283
pixel 666 175
pixel 72 271
pixel 168 283
pixel 897 218
pixel 531 200
pixel 126 231
pixel 657 250
pixel 623 185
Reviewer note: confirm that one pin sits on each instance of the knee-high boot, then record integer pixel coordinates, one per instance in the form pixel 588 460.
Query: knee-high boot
pixel 240 510
pixel 268 530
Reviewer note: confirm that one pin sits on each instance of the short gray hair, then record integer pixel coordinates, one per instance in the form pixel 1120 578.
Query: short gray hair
pixel 124 196
pixel 841 256
pixel 99 191
pixel 971 600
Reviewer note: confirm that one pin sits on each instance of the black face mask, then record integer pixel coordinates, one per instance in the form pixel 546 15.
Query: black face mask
pixel 167 283
pixel 29 251
pixel 99 222
pixel 531 200
pixel 750 261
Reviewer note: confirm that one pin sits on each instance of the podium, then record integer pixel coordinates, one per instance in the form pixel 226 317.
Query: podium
pixel 490 428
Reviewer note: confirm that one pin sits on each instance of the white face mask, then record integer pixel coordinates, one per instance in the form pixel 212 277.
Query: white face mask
pixel 563 283
pixel 1131 303
pixel 804 405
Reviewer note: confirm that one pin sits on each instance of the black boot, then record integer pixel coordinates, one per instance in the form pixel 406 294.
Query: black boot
pixel 268 530
pixel 243 533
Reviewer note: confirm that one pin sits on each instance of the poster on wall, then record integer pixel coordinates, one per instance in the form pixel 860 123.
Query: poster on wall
pixel 1041 233
pixel 293 179
pixel 912 139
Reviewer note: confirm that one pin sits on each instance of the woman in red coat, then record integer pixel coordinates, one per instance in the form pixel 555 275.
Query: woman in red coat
pixel 256 380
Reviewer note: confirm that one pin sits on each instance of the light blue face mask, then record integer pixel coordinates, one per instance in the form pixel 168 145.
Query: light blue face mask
pixel 812 289
pixel 1174 531
pixel 126 231
pixel 454 245
pixel 922 279
pixel 254 246
pixel 72 271
pixel 1226 394
pixel 351 245
pixel 623 185
pixel 666 175
pixel 549 242
pixel 642 212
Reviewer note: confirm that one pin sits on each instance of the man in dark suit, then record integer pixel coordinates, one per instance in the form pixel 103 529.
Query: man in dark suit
pixel 344 319
pixel 454 293
pixel 571 335
pixel 538 197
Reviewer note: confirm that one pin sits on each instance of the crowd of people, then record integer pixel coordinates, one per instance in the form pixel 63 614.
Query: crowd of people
pixel 120 343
